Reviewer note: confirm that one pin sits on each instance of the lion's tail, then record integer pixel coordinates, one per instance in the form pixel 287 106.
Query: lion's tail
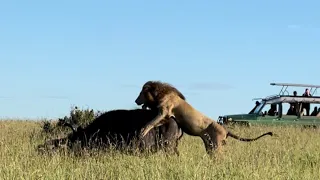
pixel 248 139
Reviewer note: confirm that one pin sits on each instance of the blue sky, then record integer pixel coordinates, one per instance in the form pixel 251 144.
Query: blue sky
pixel 98 54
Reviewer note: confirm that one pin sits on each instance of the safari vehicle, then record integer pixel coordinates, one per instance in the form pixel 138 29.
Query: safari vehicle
pixel 279 115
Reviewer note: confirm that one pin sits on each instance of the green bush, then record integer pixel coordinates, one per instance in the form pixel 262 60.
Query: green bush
pixel 79 117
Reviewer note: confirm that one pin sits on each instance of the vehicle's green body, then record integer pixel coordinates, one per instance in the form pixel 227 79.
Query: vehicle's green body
pixel 274 120
pixel 258 117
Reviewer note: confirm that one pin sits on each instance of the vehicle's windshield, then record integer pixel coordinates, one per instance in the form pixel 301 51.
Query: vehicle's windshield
pixel 257 110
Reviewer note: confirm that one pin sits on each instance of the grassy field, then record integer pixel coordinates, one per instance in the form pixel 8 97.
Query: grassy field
pixel 293 154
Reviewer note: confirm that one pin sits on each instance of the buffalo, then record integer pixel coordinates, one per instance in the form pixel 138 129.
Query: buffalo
pixel 120 129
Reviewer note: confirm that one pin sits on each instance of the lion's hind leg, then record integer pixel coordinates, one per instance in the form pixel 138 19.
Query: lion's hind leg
pixel 213 139
pixel 208 143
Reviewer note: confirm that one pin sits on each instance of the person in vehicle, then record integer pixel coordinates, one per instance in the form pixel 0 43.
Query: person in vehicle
pixel 294 94
pixel 292 110
pixel 306 105
pixel 315 111
pixel 273 110
pixel 257 104
pixel 295 105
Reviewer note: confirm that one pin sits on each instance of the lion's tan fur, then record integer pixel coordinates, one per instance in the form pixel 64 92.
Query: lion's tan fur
pixel 192 121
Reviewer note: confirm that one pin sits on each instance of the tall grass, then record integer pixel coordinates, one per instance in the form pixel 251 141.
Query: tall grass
pixel 293 154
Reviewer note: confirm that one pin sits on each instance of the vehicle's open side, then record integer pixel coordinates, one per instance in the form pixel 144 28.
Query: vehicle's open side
pixel 281 109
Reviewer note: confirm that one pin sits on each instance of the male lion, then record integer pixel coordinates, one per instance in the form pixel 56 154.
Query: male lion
pixel 190 120
pixel 169 123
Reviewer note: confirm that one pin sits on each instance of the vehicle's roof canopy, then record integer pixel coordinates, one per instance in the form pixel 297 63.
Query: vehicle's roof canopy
pixel 295 85
pixel 283 91
pixel 291 99
pixel 283 98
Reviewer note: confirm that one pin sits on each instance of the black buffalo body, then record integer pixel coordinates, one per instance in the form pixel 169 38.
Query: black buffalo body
pixel 120 128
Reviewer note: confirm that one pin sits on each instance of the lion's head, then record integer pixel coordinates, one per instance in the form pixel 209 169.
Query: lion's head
pixel 153 91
